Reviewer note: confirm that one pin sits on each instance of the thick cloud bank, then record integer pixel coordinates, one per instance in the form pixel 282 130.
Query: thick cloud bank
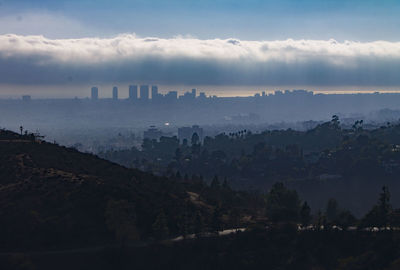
pixel 127 58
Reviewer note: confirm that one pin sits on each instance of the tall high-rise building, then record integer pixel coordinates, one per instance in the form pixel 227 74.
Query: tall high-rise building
pixel 154 92
pixel 186 133
pixel 144 92
pixel 152 133
pixel 95 93
pixel 133 92
pixel 171 96
pixel 194 92
pixel 115 93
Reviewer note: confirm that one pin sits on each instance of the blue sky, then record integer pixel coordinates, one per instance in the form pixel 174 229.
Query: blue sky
pixel 365 20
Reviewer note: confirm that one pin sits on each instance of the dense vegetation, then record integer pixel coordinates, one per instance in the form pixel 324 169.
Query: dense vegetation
pixel 64 209
pixel 327 161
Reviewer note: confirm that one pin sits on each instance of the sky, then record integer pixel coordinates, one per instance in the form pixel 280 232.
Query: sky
pixel 61 47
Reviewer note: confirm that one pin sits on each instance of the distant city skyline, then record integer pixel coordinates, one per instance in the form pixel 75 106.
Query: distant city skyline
pixel 105 91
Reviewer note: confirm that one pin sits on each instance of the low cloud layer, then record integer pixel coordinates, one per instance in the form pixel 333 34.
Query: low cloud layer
pixel 37 60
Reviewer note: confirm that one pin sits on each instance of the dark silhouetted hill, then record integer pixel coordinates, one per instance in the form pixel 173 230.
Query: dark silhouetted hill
pixel 56 197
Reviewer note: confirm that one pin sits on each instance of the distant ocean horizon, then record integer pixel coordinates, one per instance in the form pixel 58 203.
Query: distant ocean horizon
pixel 105 90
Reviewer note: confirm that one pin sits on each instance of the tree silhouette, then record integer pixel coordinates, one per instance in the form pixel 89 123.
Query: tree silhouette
pixel 305 214
pixel 282 204
pixel 199 223
pixel 160 226
pixel 215 184
pixel 216 223
pixel 380 213
pixel 121 219
pixel 332 210
pixel 384 205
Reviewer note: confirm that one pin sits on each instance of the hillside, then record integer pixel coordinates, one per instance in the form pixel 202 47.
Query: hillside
pixel 56 197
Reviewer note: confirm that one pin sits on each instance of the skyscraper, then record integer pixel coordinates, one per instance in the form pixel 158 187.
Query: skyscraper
pixel 194 92
pixel 171 96
pixel 133 92
pixel 144 92
pixel 115 93
pixel 187 133
pixel 154 92
pixel 95 93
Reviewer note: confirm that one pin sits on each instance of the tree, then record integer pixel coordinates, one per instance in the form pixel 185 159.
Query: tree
pixel 199 223
pixel 225 184
pixel 160 226
pixel 332 210
pixel 121 219
pixel 215 183
pixel 321 221
pixel 184 227
pixel 380 213
pixel 335 121
pixel 234 218
pixel 216 223
pixel 337 216
pixel 305 214
pixel 186 177
pixel 358 125
pixel 283 205
pixel 384 205
pixel 345 219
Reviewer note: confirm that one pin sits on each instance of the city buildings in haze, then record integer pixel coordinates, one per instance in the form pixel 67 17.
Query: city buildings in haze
pixel 144 92
pixel 133 92
pixel 152 133
pixel 154 92
pixel 186 133
pixel 115 93
pixel 95 93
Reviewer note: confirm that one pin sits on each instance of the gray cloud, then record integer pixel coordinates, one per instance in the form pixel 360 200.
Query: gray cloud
pixel 127 58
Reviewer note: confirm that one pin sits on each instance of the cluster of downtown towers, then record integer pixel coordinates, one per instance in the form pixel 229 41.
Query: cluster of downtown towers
pixel 144 93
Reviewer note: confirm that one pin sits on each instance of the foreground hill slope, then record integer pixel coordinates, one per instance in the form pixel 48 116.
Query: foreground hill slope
pixel 53 196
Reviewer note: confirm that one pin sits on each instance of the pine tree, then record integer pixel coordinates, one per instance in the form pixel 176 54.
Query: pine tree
pixel 199 223
pixel 160 226
pixel 305 214
pixel 216 224
pixel 385 207
pixel 215 183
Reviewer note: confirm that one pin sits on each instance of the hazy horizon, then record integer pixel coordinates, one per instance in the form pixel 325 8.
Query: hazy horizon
pixel 105 91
